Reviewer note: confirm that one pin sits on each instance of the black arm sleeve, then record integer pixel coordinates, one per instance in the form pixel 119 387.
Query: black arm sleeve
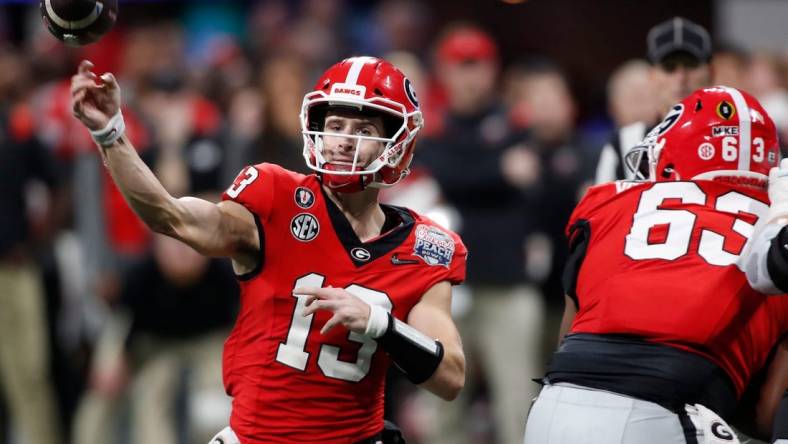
pixel 777 260
pixel 417 355
pixel 579 237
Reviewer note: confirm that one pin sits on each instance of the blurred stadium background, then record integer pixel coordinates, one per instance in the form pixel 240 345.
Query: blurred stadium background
pixel 133 331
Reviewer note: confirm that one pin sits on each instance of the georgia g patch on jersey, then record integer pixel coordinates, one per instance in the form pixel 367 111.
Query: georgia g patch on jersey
pixel 289 382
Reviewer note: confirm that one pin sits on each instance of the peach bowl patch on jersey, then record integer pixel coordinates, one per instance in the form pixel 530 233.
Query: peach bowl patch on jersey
pixel 433 245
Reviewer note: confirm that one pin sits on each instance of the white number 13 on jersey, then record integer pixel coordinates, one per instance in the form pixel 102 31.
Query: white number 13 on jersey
pixel 292 352
pixel 250 174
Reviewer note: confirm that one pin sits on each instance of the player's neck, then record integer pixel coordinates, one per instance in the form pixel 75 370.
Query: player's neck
pixel 362 210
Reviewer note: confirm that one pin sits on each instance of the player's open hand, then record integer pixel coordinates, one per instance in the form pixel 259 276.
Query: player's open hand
pixel 349 311
pixel 94 100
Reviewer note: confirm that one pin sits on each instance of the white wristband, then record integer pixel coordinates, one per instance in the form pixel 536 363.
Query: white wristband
pixel 378 321
pixel 110 133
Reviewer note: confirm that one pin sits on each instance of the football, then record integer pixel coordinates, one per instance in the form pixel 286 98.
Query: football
pixel 79 22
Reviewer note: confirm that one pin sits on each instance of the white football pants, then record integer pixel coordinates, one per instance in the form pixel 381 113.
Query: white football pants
pixel 570 414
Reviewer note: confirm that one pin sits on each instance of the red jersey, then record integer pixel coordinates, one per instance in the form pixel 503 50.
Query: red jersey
pixel 289 383
pixel 662 263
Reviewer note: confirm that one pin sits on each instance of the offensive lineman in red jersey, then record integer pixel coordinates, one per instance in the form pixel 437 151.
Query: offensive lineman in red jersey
pixel 335 286
pixel 665 330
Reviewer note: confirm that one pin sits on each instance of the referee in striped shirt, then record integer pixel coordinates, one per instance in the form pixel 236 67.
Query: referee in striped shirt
pixel 679 51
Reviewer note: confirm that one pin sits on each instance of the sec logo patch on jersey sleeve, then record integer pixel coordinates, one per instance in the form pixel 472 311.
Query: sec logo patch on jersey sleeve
pixel 433 245
pixel 304 227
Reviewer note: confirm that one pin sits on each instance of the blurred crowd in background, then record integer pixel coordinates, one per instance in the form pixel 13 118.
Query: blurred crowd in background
pixel 120 333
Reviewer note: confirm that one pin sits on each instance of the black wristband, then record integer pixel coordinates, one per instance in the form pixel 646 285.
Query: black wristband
pixel 777 260
pixel 412 351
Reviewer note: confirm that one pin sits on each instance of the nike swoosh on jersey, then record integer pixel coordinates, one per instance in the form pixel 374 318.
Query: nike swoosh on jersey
pixel 395 260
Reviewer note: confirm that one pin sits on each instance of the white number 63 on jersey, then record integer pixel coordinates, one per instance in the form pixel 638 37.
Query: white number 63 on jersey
pixel 681 223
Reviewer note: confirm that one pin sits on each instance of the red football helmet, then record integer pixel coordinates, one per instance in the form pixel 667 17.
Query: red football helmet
pixel 368 85
pixel 717 133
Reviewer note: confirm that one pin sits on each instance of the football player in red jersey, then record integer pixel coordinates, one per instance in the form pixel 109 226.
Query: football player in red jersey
pixel 335 286
pixel 663 330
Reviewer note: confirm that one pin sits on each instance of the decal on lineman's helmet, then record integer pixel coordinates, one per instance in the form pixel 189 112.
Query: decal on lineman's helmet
pixel 706 151
pixel 670 119
pixel 719 131
pixel 725 110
